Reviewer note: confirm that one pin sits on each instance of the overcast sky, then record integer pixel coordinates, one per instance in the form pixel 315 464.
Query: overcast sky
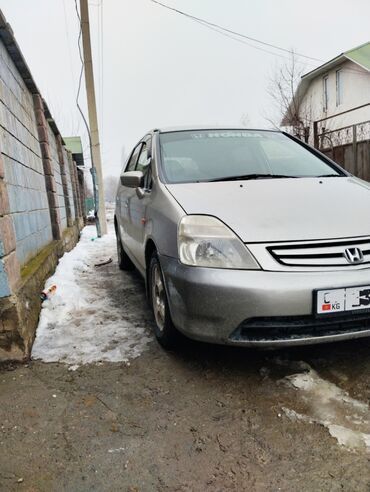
pixel 155 68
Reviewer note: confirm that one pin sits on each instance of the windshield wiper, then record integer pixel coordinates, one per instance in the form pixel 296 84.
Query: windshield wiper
pixel 250 176
pixel 330 176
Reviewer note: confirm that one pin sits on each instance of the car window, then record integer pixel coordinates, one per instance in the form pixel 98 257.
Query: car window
pixel 143 165
pixel 142 162
pixel 191 156
pixel 148 178
pixel 132 161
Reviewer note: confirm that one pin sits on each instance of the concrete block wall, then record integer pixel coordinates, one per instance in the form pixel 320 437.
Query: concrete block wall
pixel 9 265
pixel 22 163
pixel 40 199
pixel 57 172
pixel 67 167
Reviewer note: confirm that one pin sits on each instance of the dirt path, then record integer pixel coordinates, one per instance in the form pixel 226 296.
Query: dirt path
pixel 204 419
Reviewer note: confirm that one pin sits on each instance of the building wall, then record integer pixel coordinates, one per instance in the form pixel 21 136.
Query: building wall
pixel 39 194
pixel 58 178
pixel 66 159
pixel 23 167
pixel 356 92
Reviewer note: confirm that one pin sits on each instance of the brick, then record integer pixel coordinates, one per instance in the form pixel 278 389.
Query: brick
pixel 4 199
pixel 50 183
pixel 37 102
pixel 43 133
pixel 12 269
pixel 55 223
pixel 55 215
pixel 7 236
pixel 53 199
pixel 2 174
pixel 48 167
pixel 57 231
pixel 45 150
pixel 40 117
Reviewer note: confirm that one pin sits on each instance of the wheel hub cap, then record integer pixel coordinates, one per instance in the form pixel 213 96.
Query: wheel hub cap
pixel 158 298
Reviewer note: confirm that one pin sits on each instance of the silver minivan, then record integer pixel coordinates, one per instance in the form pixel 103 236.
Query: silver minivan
pixel 245 237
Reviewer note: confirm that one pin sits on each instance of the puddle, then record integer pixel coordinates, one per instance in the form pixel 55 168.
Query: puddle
pixel 326 404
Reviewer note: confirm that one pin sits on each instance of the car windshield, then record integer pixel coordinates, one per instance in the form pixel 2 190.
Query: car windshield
pixel 197 156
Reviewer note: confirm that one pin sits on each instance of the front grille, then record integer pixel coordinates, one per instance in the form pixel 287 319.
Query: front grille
pixel 285 327
pixel 324 254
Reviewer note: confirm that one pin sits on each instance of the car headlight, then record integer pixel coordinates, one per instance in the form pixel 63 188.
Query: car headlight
pixel 205 241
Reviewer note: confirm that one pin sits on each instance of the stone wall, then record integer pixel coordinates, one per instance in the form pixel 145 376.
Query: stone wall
pixel 41 193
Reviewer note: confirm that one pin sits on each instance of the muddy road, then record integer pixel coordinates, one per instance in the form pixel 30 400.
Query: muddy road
pixel 205 418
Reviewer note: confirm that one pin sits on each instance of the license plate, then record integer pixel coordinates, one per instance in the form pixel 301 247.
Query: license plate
pixel 333 301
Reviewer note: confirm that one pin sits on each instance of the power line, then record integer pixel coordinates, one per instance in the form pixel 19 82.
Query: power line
pixel 242 41
pixel 235 33
pixel 80 80
pixel 68 40
pixel 102 69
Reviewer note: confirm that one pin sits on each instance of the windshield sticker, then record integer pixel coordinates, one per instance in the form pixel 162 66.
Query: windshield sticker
pixel 228 134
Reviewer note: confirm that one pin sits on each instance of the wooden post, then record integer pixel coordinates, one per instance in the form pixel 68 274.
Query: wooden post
pixel 315 135
pixel 354 148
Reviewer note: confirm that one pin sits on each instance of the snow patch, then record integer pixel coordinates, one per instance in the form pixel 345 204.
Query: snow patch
pixel 116 450
pixel 346 418
pixel 80 323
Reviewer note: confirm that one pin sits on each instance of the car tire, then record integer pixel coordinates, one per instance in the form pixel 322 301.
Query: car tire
pixel 124 261
pixel 166 333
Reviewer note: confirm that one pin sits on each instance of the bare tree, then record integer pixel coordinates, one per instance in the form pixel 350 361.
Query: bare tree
pixel 110 187
pixel 123 155
pixel 88 189
pixel 245 120
pixel 284 90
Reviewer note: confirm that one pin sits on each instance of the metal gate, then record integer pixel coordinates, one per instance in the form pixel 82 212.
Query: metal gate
pixel 350 147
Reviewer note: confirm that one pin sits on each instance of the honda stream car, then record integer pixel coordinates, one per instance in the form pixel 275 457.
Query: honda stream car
pixel 245 237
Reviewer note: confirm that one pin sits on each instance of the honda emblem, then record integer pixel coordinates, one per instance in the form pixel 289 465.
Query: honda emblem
pixel 353 255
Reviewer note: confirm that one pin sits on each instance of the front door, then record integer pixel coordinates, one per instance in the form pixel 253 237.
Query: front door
pixel 138 203
pixel 125 195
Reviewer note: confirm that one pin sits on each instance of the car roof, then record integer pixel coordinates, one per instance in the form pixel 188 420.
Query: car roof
pixel 211 128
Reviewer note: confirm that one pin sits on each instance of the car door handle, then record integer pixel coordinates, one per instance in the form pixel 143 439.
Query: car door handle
pixel 126 203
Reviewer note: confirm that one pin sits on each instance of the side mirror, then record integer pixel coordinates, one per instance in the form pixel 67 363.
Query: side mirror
pixel 132 179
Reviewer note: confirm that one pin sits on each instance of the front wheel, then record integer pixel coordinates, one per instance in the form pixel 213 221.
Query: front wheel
pixel 165 331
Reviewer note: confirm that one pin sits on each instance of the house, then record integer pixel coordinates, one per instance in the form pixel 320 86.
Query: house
pixel 332 109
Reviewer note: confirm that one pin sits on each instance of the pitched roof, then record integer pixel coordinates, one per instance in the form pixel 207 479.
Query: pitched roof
pixel 359 55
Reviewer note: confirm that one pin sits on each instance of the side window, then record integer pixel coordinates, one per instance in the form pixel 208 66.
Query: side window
pixel 339 86
pixel 325 81
pixel 132 162
pixel 142 162
pixel 148 179
pixel 148 174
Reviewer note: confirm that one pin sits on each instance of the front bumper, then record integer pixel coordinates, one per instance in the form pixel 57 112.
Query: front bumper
pixel 218 306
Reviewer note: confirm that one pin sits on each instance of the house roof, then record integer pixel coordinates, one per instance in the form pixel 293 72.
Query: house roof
pixel 359 55
pixel 74 145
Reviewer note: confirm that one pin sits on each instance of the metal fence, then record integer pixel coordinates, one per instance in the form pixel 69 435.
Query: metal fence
pixel 349 146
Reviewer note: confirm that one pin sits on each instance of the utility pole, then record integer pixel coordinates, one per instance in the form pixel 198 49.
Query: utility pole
pixel 93 119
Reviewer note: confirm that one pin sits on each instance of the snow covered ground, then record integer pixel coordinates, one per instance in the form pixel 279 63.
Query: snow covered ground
pixel 83 322
pixel 347 419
